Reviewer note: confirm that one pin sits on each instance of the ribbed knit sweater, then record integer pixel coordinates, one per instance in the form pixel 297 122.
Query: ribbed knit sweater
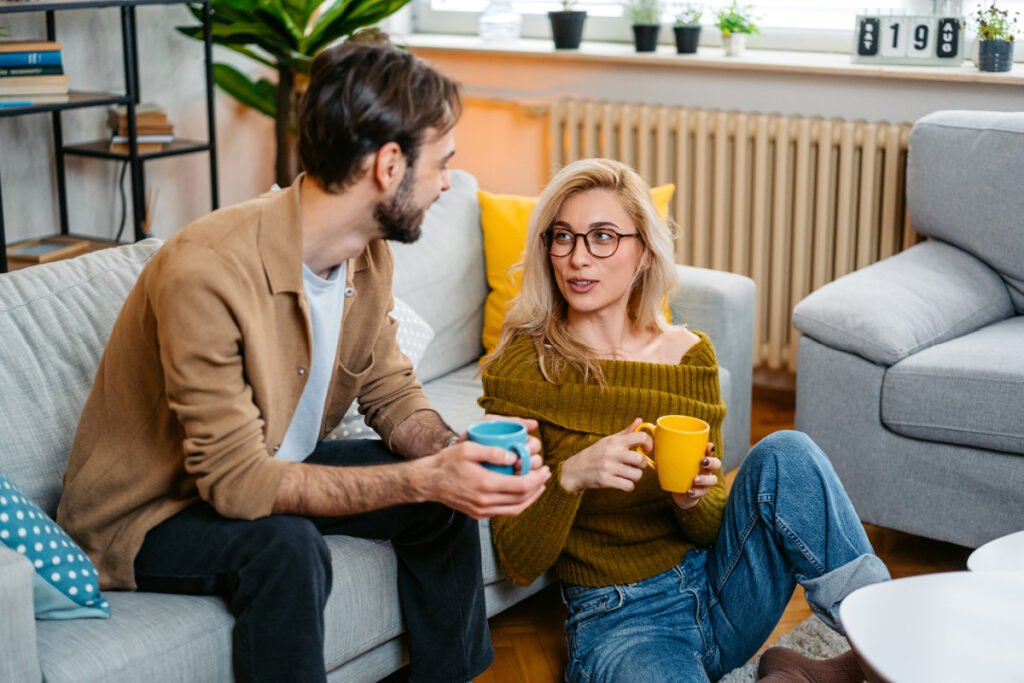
pixel 601 537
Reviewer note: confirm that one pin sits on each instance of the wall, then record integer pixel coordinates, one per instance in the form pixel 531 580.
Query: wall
pixel 505 147
pixel 171 73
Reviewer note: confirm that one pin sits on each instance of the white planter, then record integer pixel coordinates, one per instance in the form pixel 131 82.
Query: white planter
pixel 734 43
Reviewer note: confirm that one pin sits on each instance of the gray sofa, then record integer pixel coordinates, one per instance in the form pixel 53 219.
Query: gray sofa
pixel 54 321
pixel 911 370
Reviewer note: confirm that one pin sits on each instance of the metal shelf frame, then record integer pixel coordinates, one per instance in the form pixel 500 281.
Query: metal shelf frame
pixel 130 98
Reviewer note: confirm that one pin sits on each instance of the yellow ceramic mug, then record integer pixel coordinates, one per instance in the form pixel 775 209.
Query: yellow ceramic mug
pixel 680 443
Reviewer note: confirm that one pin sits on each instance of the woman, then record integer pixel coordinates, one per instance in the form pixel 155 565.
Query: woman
pixel 659 587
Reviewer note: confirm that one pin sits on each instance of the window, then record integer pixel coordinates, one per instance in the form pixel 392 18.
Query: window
pixel 784 24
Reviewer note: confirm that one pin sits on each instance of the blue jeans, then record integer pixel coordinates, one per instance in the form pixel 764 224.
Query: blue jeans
pixel 788 520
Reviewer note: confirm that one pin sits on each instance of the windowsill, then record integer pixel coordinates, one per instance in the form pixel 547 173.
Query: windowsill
pixel 711 58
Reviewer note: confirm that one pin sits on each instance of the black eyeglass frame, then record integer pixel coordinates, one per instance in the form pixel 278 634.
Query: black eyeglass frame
pixel 548 241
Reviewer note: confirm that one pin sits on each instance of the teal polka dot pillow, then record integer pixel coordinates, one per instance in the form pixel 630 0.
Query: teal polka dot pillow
pixel 66 585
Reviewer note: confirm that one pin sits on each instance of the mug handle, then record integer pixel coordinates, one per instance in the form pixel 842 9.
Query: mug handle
pixel 649 428
pixel 524 458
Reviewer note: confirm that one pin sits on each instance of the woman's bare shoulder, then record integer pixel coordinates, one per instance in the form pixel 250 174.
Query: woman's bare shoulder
pixel 676 343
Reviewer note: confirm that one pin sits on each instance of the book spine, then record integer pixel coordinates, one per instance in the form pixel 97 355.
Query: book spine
pixel 46 70
pixel 30 58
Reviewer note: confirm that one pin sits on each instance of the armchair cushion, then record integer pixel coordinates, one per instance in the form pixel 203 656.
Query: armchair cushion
pixel 926 295
pixel 967 391
pixel 963 187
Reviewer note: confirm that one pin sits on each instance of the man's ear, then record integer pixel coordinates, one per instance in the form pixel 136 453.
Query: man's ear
pixel 388 166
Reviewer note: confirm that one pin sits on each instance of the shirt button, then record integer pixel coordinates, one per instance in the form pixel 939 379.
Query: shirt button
pixel 350 291
pixel 302 371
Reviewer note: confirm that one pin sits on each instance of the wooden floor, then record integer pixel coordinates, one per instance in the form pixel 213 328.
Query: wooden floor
pixel 528 637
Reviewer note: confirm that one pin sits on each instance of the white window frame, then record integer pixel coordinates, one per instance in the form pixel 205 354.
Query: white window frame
pixel 425 19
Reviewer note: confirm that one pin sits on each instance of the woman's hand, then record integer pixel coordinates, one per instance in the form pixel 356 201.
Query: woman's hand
pixel 611 463
pixel 704 480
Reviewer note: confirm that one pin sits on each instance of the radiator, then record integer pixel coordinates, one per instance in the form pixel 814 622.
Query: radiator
pixel 793 202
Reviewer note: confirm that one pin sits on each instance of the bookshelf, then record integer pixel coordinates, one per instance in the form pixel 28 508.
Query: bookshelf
pixel 130 98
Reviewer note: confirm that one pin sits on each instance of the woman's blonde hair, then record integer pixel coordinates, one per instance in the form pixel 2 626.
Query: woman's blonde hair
pixel 540 311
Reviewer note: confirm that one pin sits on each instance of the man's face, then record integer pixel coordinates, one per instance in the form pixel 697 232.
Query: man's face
pixel 401 217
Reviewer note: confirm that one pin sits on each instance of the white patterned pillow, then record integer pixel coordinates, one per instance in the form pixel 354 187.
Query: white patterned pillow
pixel 414 335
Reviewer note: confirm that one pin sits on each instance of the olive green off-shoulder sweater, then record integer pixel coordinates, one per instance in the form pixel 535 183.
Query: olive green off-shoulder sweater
pixel 601 537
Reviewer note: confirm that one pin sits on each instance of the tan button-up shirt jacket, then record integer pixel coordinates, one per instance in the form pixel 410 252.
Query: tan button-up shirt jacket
pixel 203 371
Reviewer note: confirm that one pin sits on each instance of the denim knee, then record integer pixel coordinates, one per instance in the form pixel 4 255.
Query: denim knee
pixel 787 449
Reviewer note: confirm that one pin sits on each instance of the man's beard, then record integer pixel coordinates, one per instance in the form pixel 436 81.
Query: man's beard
pixel 400 219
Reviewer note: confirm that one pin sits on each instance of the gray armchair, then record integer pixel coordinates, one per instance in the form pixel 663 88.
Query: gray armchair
pixel 911 370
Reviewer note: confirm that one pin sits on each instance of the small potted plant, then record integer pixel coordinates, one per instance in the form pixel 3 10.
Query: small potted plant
pixel 645 16
pixel 736 22
pixel 996 31
pixel 567 26
pixel 687 28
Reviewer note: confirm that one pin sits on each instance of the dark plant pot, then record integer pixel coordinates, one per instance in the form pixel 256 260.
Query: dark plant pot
pixel 995 55
pixel 645 37
pixel 567 29
pixel 687 38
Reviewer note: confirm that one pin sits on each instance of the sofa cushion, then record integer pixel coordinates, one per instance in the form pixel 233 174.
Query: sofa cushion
pixel 454 396
pixel 977 155
pixel 441 276
pixel 504 219
pixel 414 335
pixel 928 294
pixel 65 584
pixel 968 391
pixel 55 319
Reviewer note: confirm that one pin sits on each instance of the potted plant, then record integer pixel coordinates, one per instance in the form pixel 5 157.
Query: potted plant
pixel 996 31
pixel 567 26
pixel 284 36
pixel 736 22
pixel 687 28
pixel 645 16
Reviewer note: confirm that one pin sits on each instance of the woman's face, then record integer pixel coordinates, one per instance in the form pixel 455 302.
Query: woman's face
pixel 588 283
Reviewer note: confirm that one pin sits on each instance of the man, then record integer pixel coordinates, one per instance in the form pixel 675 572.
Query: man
pixel 199 467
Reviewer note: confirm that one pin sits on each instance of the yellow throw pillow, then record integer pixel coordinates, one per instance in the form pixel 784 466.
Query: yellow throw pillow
pixel 504 218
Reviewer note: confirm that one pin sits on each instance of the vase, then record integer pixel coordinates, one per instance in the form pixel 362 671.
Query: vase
pixel 995 55
pixel 567 29
pixel 687 38
pixel 735 44
pixel 645 37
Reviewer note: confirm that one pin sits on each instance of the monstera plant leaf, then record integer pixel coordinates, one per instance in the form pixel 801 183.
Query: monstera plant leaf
pixel 284 35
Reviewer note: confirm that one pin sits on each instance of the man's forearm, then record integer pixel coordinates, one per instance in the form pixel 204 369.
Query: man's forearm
pixel 323 491
pixel 422 433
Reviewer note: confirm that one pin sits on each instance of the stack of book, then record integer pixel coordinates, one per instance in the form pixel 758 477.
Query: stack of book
pixel 31 72
pixel 153 129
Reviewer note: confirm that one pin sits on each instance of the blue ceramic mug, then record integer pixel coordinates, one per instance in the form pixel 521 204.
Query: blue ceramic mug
pixel 502 434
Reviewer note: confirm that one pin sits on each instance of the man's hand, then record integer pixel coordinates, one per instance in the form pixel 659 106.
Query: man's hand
pixel 455 477
pixel 611 463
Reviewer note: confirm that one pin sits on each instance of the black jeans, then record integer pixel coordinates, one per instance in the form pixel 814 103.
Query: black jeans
pixel 275 574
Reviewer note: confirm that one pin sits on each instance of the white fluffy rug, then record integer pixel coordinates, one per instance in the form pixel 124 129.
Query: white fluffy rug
pixel 811 638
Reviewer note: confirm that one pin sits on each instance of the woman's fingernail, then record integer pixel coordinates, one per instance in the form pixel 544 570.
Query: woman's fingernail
pixel 705 462
pixel 692 493
pixel 712 448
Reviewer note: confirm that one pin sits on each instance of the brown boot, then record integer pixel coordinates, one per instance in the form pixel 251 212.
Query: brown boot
pixel 782 665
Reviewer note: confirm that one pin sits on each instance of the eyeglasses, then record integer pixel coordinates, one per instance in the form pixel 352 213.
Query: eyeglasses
pixel 601 242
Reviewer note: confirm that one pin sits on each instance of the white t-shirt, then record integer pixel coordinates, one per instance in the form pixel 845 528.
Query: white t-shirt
pixel 326 304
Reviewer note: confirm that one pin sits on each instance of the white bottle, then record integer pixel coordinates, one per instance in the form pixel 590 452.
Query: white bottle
pixel 499 22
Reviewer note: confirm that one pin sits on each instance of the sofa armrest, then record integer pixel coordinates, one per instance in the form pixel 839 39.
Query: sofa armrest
pixel 926 295
pixel 18 658
pixel 721 304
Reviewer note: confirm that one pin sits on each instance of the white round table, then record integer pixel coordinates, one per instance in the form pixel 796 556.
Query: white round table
pixel 957 627
pixel 1004 554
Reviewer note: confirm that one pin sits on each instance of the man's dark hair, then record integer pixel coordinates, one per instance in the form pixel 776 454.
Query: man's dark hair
pixel 363 94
